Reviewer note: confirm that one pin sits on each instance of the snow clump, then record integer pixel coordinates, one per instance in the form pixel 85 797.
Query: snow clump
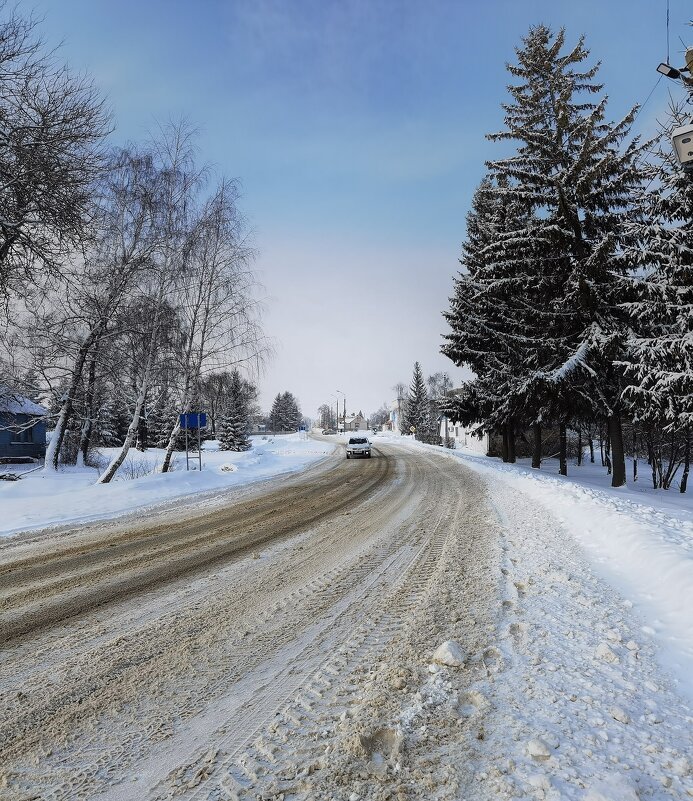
pixel 538 749
pixel 450 654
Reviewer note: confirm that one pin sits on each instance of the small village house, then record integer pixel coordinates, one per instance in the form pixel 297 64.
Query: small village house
pixel 355 422
pixel 22 427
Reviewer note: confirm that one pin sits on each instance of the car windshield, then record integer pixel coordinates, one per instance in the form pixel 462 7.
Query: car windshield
pixel 358 441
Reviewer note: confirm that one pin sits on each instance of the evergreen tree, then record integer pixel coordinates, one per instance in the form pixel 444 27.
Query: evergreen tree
pixel 573 170
pixel 546 296
pixel 493 328
pixel 235 423
pixel 286 414
pixel 660 364
pixel 233 430
pixel 418 409
pixel 276 413
pixel 161 418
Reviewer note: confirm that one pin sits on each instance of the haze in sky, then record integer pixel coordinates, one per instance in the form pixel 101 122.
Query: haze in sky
pixel 357 129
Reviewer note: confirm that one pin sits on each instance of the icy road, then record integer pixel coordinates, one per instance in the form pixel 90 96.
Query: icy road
pixel 282 645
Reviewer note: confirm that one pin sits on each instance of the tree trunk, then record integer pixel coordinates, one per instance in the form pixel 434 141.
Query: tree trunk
pixel 130 437
pixel 504 443
pixel 510 427
pixel 54 446
pixel 601 446
pixel 118 460
pixel 686 461
pixel 579 459
pixel 651 458
pixel 607 452
pixel 88 425
pixel 591 441
pixel 673 463
pixel 563 450
pixel 635 455
pixel 536 453
pixel 142 431
pixel 618 459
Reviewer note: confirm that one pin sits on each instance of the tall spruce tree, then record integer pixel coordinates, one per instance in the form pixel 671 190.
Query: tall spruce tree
pixel 660 364
pixel 235 422
pixel 286 414
pixel 418 408
pixel 574 175
pixel 495 328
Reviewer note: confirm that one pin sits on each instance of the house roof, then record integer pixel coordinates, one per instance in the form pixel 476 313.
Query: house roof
pixel 17 404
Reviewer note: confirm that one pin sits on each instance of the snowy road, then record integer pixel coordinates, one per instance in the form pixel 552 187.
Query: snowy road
pixel 280 647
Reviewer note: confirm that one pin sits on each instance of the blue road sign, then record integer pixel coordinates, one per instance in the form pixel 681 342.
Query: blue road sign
pixel 193 420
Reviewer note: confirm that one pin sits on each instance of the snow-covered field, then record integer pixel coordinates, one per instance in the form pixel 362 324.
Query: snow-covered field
pixel 638 539
pixel 71 496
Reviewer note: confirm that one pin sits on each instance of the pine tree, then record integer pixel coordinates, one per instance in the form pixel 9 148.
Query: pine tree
pixel 418 410
pixel 570 181
pixel 660 363
pixel 235 423
pixel 493 328
pixel 161 417
pixel 233 431
pixel 286 414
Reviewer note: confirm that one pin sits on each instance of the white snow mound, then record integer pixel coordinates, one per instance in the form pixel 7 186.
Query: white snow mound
pixel 450 653
pixel 538 749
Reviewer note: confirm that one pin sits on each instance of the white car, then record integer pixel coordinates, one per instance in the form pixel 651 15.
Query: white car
pixel 358 446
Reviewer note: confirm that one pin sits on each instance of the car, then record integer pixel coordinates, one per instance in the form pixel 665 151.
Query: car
pixel 328 431
pixel 358 446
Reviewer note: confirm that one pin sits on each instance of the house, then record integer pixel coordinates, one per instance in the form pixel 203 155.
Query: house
pixel 22 427
pixel 395 415
pixel 357 422
pixel 466 436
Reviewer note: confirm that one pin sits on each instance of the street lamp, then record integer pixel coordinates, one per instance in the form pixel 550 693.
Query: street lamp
pixel 336 407
pixel 344 417
pixel 682 137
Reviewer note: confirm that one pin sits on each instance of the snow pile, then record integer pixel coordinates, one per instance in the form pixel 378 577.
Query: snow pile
pixel 70 496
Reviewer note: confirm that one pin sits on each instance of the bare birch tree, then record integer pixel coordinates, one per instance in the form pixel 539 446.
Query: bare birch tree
pixel 178 183
pixel 96 287
pixel 216 300
pixel 53 127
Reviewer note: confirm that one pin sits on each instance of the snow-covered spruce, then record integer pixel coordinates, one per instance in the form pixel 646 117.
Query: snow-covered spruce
pixel 538 313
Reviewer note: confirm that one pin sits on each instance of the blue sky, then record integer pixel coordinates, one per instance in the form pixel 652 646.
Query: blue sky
pixel 357 130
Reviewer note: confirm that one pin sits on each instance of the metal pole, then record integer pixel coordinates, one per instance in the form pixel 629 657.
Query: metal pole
pixel 445 393
pixel 187 458
pixel 199 446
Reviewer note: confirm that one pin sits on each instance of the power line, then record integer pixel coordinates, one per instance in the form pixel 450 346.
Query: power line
pixel 667 31
pixel 652 91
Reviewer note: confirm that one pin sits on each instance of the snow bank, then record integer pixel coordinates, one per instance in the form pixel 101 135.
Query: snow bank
pixel 70 496
pixel 640 540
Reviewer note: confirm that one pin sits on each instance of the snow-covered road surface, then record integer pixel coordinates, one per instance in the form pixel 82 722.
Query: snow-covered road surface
pixel 282 648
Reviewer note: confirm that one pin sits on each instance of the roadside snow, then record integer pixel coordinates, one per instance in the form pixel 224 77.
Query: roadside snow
pixel 70 496
pixel 640 541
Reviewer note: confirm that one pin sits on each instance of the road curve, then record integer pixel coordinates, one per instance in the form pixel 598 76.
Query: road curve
pixel 57 580
pixel 142 662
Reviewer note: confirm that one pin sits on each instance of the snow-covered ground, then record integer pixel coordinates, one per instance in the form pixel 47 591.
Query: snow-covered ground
pixel 638 539
pixel 38 500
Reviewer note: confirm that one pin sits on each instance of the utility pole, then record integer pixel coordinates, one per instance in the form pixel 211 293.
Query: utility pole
pixel 445 394
pixel 344 418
